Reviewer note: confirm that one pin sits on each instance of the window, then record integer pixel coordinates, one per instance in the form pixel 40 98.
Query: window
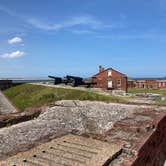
pixel 159 84
pixel 119 82
pixel 109 84
pixel 109 73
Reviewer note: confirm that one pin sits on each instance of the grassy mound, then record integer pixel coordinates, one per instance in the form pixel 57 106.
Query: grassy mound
pixel 28 95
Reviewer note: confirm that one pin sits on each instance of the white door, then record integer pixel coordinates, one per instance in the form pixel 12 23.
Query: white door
pixel 109 84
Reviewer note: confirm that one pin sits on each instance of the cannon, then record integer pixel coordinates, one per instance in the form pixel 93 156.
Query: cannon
pixel 88 83
pixel 78 81
pixel 57 80
pixel 73 80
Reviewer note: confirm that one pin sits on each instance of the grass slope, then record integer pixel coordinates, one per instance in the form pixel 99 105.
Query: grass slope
pixel 28 95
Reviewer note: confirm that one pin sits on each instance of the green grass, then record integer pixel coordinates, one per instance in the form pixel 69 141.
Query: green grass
pixel 156 91
pixel 28 95
pixel 142 90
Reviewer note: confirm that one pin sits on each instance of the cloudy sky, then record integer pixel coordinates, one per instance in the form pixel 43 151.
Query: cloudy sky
pixel 59 37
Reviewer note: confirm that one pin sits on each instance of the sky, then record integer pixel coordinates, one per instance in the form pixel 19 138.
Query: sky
pixel 59 37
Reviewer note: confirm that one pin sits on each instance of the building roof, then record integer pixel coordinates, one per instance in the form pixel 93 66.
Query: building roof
pixel 107 70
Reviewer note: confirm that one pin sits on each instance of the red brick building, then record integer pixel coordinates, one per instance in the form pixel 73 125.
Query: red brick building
pixel 110 79
pixel 151 83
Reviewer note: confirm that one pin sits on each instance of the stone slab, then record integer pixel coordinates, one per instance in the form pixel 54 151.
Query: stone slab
pixel 5 105
pixel 69 150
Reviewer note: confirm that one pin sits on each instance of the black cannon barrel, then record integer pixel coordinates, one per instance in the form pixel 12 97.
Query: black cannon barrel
pixel 57 80
pixel 73 80
pixel 54 77
pixel 74 77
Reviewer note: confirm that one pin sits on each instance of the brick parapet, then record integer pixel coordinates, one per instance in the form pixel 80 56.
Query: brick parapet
pixel 143 136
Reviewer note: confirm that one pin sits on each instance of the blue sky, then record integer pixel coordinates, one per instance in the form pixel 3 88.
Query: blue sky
pixel 59 37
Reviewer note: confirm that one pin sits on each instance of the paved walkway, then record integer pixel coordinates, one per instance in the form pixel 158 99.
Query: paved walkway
pixel 5 105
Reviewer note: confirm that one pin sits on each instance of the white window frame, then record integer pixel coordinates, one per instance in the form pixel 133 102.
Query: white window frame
pixel 109 73
pixel 110 85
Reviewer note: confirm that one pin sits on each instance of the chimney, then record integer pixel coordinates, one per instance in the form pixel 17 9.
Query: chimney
pixel 101 69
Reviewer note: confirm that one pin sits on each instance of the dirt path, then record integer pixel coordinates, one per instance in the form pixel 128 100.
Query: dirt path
pixel 5 105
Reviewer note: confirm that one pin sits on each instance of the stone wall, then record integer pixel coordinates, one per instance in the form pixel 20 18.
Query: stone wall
pixel 140 129
pixel 61 118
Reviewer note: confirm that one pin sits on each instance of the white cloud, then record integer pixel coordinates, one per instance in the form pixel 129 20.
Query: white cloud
pixel 6 10
pixel 44 26
pixel 15 54
pixel 128 36
pixel 15 40
pixel 87 20
pixel 82 20
pixel 81 32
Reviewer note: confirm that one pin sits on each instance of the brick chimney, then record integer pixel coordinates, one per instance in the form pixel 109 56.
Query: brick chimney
pixel 101 69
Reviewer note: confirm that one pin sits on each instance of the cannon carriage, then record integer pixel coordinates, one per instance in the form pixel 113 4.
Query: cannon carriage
pixel 73 81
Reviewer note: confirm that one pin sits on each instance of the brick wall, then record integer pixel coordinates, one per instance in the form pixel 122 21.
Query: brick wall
pixel 151 84
pixel 144 139
pixel 102 79
pixel 153 150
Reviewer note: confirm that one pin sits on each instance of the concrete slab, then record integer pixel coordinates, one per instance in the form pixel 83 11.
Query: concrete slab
pixel 69 150
pixel 5 105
